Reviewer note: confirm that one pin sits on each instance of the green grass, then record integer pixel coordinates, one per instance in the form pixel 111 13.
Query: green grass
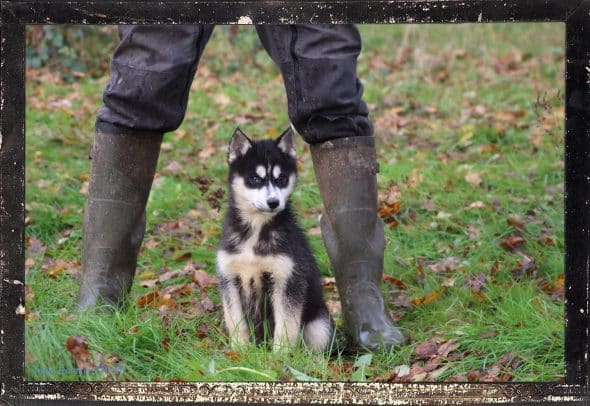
pixel 424 85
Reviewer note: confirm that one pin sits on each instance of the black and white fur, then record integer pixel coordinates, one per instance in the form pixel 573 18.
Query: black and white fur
pixel 266 270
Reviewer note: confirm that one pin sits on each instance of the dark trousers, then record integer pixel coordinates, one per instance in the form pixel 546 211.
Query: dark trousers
pixel 153 68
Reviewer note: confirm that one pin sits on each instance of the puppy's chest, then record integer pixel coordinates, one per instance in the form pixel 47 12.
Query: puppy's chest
pixel 255 258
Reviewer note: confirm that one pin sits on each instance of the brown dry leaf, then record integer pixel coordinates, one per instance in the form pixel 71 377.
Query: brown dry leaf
pixel 151 244
pixel 473 232
pixel 396 316
pixel 434 375
pixel 204 279
pixel 494 269
pixel 395 281
pixel 426 349
pixel 515 223
pixel 512 243
pixel 415 178
pixel 79 349
pixel 167 275
pixel 478 282
pixel 473 376
pixel 476 205
pixel 448 282
pixel 232 355
pixel 546 241
pixel 473 178
pixel 426 299
pixel 429 205
pixel 402 300
pixel 488 334
pixel 173 168
pixel 54 268
pixel 147 299
pixel 180 256
pixel 445 265
pixel 526 266
pixel 392 194
pixel 431 364
pixel 207 151
pixel 507 363
pixel 207 304
pixel 34 246
pixel 203 331
pixel 390 209
pixel 166 344
pixel 447 347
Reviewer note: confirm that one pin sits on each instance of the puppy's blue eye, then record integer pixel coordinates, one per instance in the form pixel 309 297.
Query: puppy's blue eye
pixel 282 180
pixel 255 180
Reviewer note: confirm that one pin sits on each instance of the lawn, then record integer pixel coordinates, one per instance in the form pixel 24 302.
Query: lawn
pixel 469 126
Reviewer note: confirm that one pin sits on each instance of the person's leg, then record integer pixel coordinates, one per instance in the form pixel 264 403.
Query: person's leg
pixel 151 73
pixel 318 64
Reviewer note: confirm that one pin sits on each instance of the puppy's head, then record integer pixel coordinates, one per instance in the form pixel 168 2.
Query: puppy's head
pixel 262 173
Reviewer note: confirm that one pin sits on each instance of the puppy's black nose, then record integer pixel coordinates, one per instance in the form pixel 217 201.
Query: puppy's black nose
pixel 273 203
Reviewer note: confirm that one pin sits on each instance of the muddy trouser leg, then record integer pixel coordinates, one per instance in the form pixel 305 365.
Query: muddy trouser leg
pixel 151 74
pixel 318 64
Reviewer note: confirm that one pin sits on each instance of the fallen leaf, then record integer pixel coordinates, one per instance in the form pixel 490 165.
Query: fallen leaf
pixel 390 208
pixel 207 304
pixel 476 205
pixel 477 282
pixel 473 376
pixel 429 205
pixel 415 178
pixel 448 282
pixel 445 265
pixel 515 223
pixel 426 349
pixel 447 347
pixel 488 334
pixel 512 243
pixel 434 375
pixel 166 344
pixel 147 299
pixel 473 178
pixel 203 331
pixel 204 279
pixel 402 300
pixel 526 267
pixel 172 168
pixel 395 281
pixel 34 246
pixel 79 349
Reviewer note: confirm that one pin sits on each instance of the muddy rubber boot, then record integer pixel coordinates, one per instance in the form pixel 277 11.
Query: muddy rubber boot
pixel 346 171
pixel 122 171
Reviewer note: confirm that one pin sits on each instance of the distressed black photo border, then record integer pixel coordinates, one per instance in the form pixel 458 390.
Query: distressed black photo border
pixel 15 15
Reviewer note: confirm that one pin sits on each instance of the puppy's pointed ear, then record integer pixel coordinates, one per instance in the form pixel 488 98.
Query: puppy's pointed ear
pixel 238 146
pixel 286 142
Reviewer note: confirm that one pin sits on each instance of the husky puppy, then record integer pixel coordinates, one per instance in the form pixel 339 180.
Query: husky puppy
pixel 268 276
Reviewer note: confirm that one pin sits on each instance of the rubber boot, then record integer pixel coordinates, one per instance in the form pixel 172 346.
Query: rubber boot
pixel 346 171
pixel 122 172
